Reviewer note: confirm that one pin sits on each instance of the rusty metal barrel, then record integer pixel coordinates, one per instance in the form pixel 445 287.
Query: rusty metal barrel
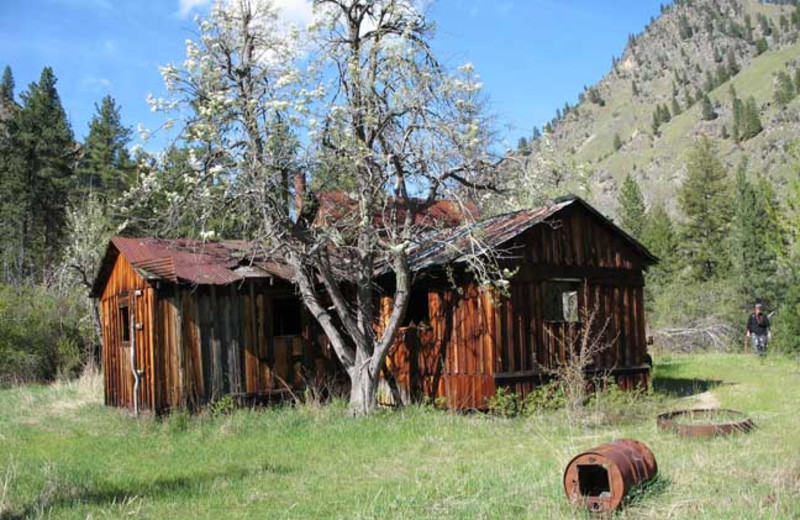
pixel 600 478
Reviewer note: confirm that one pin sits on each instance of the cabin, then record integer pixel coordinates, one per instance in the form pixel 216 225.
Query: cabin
pixel 199 321
pixel 462 343
pixel 202 320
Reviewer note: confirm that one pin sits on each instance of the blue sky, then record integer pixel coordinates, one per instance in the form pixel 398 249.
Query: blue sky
pixel 533 55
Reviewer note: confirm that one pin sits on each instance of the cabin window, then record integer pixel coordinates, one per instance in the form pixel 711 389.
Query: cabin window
pixel 561 301
pixel 418 312
pixel 124 321
pixel 286 314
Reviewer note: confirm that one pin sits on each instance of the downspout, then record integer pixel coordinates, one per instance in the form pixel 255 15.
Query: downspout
pixel 136 373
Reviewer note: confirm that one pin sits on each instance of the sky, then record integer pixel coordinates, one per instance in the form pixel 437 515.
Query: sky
pixel 532 55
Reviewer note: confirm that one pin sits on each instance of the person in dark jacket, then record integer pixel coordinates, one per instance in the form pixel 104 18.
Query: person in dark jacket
pixel 758 330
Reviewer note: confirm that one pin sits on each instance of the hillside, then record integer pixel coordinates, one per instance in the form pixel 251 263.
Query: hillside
pixel 693 48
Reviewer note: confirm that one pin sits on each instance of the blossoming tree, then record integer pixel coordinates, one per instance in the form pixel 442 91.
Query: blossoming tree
pixel 356 102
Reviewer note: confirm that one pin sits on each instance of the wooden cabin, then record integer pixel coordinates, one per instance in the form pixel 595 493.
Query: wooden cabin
pixel 204 320
pixel 200 321
pixel 463 343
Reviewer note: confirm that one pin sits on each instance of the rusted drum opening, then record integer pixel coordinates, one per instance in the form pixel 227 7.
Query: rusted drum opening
pixel 599 479
pixel 705 422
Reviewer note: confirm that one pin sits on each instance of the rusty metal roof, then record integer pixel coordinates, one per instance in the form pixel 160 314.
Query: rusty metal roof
pixel 187 261
pixel 454 245
pixel 441 213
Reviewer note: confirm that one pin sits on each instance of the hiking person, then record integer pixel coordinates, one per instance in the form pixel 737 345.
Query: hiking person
pixel 757 330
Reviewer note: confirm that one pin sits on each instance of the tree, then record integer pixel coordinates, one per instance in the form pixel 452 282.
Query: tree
pixel 684 28
pixel 37 179
pixel 658 234
pixel 708 113
pixel 395 126
pixel 733 66
pixel 751 122
pixel 784 91
pixel 797 79
pixel 7 87
pixel 704 200
pixel 754 260
pixel 761 46
pixel 106 167
pixel 676 107
pixel 617 144
pixel 523 147
pixel 632 211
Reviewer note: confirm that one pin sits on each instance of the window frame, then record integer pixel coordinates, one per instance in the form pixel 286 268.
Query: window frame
pixel 574 286
pixel 275 305
pixel 124 320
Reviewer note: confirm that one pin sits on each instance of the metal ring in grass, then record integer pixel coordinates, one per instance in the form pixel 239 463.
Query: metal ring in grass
pixel 707 422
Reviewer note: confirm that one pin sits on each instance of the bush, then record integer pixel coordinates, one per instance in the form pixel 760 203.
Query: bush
pixel 44 334
pixel 543 398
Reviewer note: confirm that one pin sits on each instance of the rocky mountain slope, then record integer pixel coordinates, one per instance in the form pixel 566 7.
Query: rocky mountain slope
pixel 694 49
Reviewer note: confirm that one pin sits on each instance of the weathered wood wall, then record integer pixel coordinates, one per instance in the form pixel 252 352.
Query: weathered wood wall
pixel 219 340
pixel 480 341
pixel 116 355
pixel 197 344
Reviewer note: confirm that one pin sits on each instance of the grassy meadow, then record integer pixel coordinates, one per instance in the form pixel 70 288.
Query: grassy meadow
pixel 63 455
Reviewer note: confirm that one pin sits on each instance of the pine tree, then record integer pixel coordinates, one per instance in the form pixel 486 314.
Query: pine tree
pixel 750 120
pixel 797 79
pixel 733 67
pixel 784 89
pixel 522 146
pixel 658 234
pixel 708 113
pixel 635 89
pixel 703 198
pixel 106 167
pixel 7 87
pixel 617 142
pixel 761 46
pixel 632 211
pixel 754 260
pixel 738 118
pixel 676 107
pixel 37 163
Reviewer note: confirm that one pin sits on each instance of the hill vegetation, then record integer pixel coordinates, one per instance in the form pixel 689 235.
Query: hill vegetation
pixel 691 140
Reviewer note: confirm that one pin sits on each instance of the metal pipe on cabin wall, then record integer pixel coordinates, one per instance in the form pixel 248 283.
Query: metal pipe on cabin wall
pixel 135 371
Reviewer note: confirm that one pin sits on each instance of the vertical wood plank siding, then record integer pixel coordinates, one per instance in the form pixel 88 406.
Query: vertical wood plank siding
pixel 484 341
pixel 196 344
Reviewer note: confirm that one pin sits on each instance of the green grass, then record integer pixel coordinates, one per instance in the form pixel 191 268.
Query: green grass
pixel 63 455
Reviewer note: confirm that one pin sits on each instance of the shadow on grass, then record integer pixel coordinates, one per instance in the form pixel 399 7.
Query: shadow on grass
pixel 648 491
pixel 683 387
pixel 66 493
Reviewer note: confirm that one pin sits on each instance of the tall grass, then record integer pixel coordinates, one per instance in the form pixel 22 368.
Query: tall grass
pixel 82 460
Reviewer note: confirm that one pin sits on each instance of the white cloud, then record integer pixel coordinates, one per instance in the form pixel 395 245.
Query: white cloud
pixel 299 12
pixel 96 84
pixel 186 6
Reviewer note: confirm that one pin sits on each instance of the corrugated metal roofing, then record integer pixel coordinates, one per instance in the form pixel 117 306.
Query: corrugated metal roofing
pixel 188 261
pixel 443 247
pixel 219 263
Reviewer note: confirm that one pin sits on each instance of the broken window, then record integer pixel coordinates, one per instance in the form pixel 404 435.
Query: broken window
pixel 418 312
pixel 286 314
pixel 124 321
pixel 561 301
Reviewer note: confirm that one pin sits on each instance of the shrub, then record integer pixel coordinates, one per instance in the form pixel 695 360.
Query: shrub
pixel 504 403
pixel 43 334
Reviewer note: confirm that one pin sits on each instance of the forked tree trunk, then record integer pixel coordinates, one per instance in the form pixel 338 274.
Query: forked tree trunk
pixel 362 393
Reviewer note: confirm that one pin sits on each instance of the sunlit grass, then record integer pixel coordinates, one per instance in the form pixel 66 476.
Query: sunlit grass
pixel 82 460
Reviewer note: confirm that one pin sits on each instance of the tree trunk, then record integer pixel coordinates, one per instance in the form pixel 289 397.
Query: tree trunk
pixel 362 392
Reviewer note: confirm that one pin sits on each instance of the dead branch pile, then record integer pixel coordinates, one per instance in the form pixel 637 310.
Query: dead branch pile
pixel 710 333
